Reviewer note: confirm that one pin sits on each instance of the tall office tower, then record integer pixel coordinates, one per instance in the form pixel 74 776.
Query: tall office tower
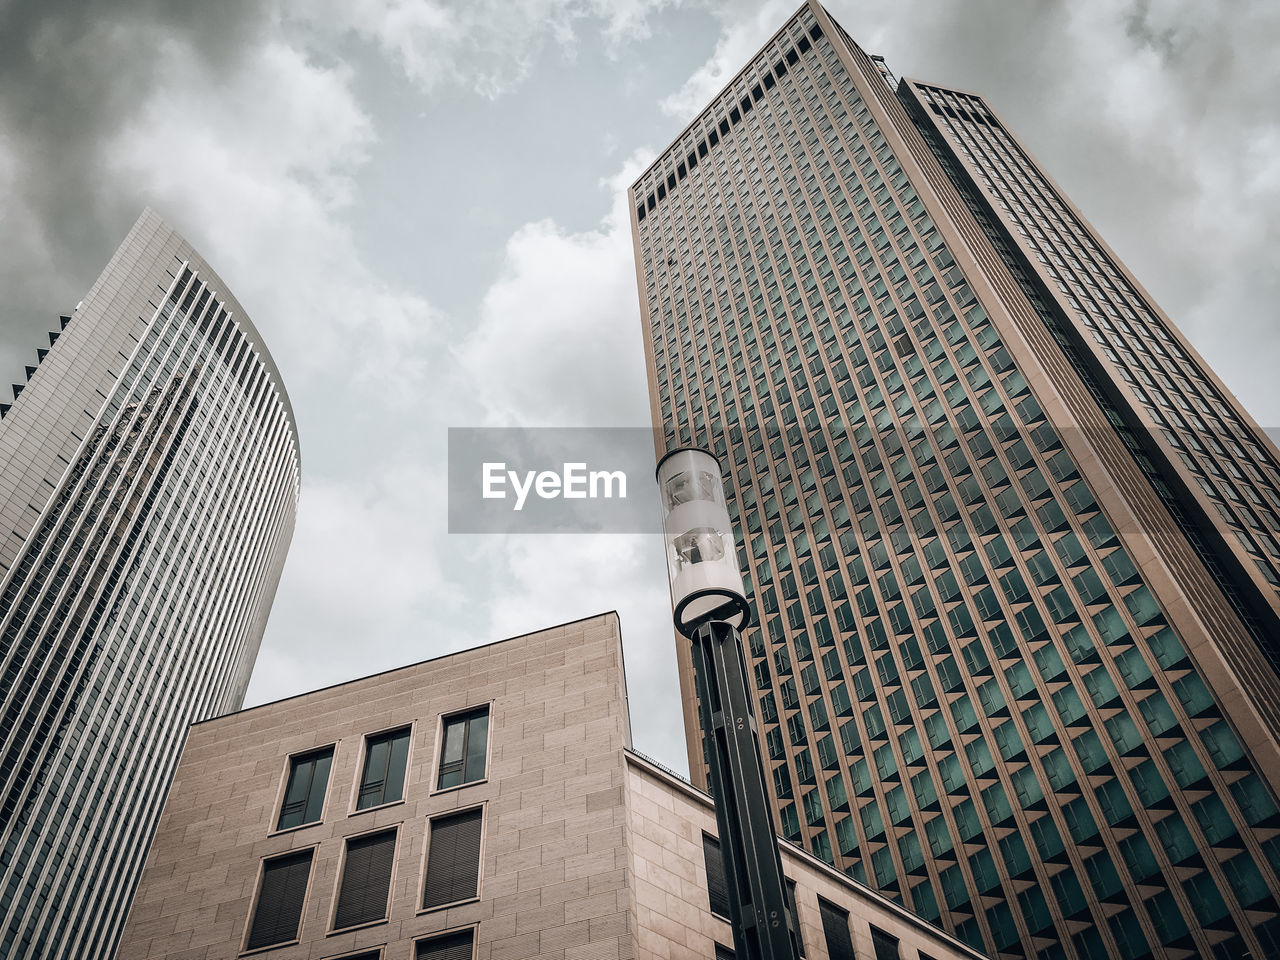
pixel 148 484
pixel 1012 545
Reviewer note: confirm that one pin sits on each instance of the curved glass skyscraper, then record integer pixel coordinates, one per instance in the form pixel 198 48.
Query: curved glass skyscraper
pixel 1014 549
pixel 148 486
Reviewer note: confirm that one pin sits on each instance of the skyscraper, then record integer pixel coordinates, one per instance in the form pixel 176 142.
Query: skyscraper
pixel 148 487
pixel 1012 545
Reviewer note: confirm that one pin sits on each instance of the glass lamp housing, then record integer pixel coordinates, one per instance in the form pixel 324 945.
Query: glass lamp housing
pixel 702 558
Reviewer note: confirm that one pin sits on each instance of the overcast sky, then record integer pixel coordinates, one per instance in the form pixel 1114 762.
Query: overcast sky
pixel 420 203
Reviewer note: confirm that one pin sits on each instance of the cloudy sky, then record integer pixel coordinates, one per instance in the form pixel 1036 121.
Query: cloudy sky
pixel 420 203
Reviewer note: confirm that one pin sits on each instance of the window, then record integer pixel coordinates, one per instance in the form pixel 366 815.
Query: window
pixel 451 946
pixel 886 947
pixel 304 794
pixel 453 858
pixel 835 928
pixel 385 758
pixel 278 910
pixel 717 886
pixel 795 913
pixel 466 743
pixel 366 879
pixel 723 952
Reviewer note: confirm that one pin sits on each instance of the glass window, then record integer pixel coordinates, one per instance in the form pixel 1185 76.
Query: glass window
pixel 453 858
pixel 451 946
pixel 304 793
pixel 278 910
pixel 717 886
pixel 385 758
pixel 835 930
pixel 366 879
pixel 466 746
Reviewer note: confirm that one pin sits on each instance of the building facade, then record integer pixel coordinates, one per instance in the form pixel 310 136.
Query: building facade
pixel 511 821
pixel 1012 545
pixel 148 484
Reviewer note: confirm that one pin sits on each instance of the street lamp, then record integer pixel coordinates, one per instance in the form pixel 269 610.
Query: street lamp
pixel 709 607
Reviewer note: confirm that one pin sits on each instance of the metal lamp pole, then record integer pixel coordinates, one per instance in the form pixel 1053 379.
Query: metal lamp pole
pixel 710 607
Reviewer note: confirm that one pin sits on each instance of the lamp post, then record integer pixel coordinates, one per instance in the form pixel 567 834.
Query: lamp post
pixel 710 607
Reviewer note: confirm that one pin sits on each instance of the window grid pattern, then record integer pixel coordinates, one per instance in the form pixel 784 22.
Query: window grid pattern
pixel 170 520
pixel 1207 564
pixel 937 587
pixel 1231 465
pixel 1222 601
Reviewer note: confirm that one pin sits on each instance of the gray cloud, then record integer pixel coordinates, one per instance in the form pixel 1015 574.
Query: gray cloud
pixel 68 82
pixel 267 133
pixel 486 46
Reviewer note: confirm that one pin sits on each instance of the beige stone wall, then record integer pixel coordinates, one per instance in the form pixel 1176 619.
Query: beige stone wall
pixel 555 868
pixel 589 852
pixel 667 818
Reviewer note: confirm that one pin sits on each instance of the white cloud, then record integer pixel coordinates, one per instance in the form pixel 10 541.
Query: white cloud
pixel 488 46
pixel 558 342
pixel 262 173
pixel 1172 94
pixel 366 587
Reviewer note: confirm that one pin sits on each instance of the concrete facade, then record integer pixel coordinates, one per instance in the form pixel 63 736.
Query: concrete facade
pixel 589 852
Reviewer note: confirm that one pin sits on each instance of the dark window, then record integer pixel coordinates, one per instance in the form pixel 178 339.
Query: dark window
pixel 795 914
pixel 385 757
pixel 453 858
pixel 466 742
pixel 304 795
pixel 717 889
pixel 835 928
pixel 723 952
pixel 279 908
pixel 366 879
pixel 886 947
pixel 367 955
pixel 452 946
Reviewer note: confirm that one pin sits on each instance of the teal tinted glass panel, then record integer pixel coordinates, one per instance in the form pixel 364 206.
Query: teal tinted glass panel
pixel 465 749
pixel 304 793
pixel 385 759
